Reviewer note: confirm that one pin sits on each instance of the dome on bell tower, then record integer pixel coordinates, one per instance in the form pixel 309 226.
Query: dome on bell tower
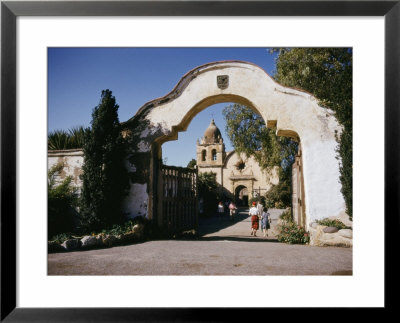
pixel 212 134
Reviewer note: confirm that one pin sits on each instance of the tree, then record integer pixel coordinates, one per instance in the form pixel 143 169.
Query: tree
pixel 105 179
pixel 327 74
pixel 208 190
pixel 249 135
pixel 61 201
pixel 192 164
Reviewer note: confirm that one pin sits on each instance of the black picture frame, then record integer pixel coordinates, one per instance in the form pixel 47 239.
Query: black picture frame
pixel 10 10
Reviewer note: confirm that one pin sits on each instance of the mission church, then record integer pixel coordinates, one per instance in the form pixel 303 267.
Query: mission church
pixel 240 177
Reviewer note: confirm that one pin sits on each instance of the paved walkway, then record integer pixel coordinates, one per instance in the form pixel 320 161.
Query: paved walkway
pixel 240 228
pixel 223 249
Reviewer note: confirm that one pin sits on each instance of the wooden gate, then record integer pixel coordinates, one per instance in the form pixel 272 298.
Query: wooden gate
pixel 179 198
pixel 298 202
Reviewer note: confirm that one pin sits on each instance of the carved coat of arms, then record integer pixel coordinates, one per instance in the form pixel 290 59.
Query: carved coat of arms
pixel 222 81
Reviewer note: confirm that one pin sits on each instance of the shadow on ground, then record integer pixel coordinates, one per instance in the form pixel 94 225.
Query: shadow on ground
pixel 237 238
pixel 216 222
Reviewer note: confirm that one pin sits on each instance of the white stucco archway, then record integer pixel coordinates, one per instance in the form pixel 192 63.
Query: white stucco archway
pixel 294 113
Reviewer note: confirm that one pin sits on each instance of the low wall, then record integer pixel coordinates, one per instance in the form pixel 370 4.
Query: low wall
pixel 72 161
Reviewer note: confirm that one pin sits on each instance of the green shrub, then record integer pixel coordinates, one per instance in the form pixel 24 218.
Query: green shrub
pixel 117 229
pixel 150 229
pixel 292 233
pixel 208 190
pixel 279 196
pixel 270 204
pixel 286 216
pixel 279 205
pixel 60 238
pixel 62 200
pixel 332 223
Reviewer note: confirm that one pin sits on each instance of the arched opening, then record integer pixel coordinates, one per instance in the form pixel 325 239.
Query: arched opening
pixel 203 155
pixel 214 154
pixel 206 148
pixel 241 196
pixel 210 155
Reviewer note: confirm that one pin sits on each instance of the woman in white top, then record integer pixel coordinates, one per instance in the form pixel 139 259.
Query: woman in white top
pixel 253 212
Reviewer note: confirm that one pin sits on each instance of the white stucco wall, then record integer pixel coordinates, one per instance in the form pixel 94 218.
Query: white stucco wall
pixel 136 203
pixel 72 161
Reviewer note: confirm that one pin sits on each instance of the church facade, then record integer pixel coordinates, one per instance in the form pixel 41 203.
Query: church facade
pixel 239 177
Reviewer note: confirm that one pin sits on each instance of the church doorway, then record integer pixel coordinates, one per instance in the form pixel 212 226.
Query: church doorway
pixel 241 196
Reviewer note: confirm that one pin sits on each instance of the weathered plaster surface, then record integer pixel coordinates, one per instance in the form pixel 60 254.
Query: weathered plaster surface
pixel 72 161
pixel 136 203
pixel 295 113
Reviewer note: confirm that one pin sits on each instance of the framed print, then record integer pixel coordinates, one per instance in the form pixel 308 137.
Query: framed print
pixel 192 24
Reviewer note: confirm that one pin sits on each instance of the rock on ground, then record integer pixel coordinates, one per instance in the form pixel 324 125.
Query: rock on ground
pixel 91 241
pixel 71 244
pixel 318 237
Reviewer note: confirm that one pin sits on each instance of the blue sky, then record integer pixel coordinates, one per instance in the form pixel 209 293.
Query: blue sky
pixel 76 77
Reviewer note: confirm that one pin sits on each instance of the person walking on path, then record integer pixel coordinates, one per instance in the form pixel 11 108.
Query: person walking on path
pixel 232 210
pixel 220 210
pixel 253 212
pixel 260 208
pixel 265 221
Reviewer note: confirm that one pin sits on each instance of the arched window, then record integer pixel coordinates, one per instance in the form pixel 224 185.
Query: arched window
pixel 214 154
pixel 203 155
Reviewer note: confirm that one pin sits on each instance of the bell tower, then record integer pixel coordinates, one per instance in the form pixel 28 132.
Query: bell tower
pixel 211 148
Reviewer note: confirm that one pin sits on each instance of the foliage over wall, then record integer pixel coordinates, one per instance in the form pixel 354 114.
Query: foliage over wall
pixel 61 139
pixel 327 73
